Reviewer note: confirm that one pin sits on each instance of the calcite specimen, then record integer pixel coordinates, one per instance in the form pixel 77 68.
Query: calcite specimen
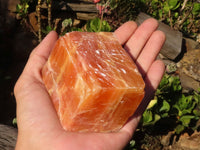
pixel 93 83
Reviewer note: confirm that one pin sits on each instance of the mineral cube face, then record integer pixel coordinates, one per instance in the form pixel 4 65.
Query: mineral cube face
pixel 93 83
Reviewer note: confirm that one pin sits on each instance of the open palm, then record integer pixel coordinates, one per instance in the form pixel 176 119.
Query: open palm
pixel 38 124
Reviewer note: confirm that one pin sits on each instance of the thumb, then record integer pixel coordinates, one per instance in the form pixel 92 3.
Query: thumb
pixel 34 107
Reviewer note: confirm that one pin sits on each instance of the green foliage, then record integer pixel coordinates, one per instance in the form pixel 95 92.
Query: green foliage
pixel 170 103
pixel 67 23
pixel 196 9
pixel 172 4
pixel 176 13
pixel 14 122
pixel 97 25
pixel 149 118
pixel 132 145
pixel 184 105
pixel 47 29
pixel 93 25
pixel 22 8
pixel 112 4
pixel 67 26
pixel 127 9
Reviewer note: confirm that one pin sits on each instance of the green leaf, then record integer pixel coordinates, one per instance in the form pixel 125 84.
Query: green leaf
pixel 164 81
pixel 196 9
pixel 66 23
pixel 18 8
pixel 154 4
pixel 26 6
pixel 154 13
pixel 152 103
pixel 47 30
pixel 196 112
pixel 158 92
pixel 147 116
pixel 196 97
pixel 185 104
pixel 105 26
pixel 177 6
pixel 176 14
pixel 186 120
pixel 186 111
pixel 160 13
pixel 166 8
pixel 95 25
pixel 132 143
pixel 176 84
pixel 156 118
pixel 165 106
pixel 113 4
pixel 179 128
pixel 178 108
pixel 14 122
pixel 172 4
pixel 164 115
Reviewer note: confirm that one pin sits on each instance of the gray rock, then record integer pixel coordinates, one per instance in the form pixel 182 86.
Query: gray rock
pixel 187 142
pixel 8 137
pixel 191 44
pixel 190 64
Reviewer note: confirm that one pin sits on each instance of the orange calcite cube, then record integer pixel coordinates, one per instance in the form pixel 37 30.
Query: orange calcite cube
pixel 93 83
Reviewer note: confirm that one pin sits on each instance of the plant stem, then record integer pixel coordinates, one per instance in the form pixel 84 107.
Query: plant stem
pixel 186 15
pixel 170 19
pixel 38 7
pixel 49 12
pixel 103 9
pixel 30 27
pixel 101 19
pixel 184 3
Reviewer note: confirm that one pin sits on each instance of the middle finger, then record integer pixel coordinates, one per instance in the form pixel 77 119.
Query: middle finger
pixel 136 43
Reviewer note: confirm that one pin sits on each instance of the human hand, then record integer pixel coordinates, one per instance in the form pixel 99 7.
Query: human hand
pixel 38 124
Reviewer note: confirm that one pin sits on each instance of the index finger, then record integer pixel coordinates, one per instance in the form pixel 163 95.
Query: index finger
pixel 124 32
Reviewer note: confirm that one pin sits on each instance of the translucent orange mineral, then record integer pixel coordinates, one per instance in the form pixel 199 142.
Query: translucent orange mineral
pixel 93 83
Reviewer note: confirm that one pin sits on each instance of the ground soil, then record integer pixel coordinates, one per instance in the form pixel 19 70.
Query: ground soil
pixel 15 46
